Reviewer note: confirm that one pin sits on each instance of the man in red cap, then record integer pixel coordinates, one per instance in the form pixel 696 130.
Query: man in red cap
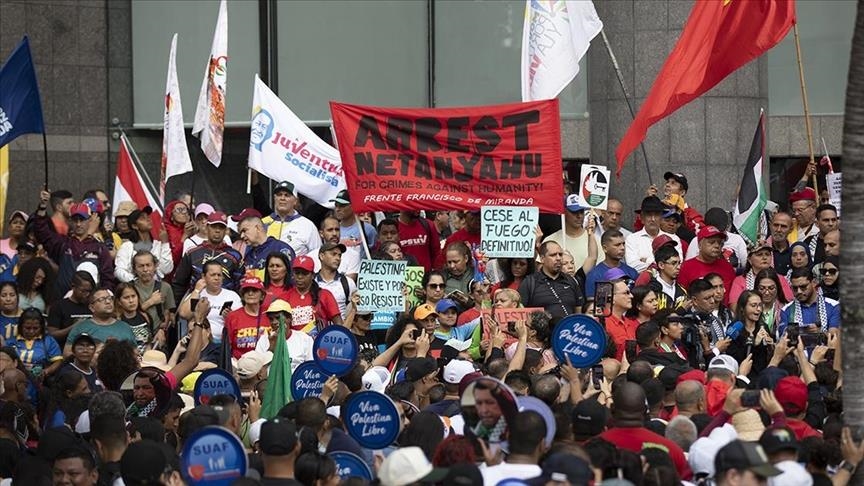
pixel 709 260
pixel 792 393
pixel 803 204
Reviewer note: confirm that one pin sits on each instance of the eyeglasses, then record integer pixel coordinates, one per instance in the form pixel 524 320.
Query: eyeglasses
pixel 181 209
pixel 674 263
pixel 436 286
pixel 107 298
pixel 771 288
pixel 829 271
pixel 802 288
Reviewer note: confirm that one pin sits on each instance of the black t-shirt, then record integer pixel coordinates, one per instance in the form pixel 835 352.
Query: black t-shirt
pixel 65 313
pixel 368 343
pixel 92 380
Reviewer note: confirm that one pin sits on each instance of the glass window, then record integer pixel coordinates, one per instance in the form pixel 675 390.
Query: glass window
pixel 370 52
pixel 478 52
pixel 825 28
pixel 154 22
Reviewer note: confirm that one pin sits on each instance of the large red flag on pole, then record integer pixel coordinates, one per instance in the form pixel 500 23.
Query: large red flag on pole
pixel 132 184
pixel 719 37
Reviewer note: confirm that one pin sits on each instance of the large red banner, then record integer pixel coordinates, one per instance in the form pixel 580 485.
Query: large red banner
pixel 451 158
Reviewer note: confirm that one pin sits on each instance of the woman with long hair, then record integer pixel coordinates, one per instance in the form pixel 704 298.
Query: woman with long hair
pixel 405 340
pixel 644 304
pixel 277 278
pixel 759 257
pixel 768 283
pixel 513 271
pixel 64 400
pixel 127 305
pixel 36 283
pixel 753 337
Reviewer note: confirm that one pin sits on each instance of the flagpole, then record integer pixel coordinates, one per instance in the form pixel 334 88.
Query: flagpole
pixel 626 97
pixel 137 162
pixel 45 153
pixel 806 109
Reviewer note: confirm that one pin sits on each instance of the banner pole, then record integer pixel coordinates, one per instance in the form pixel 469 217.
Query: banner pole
pixel 806 109
pixel 248 181
pixel 362 237
pixel 626 98
pixel 45 154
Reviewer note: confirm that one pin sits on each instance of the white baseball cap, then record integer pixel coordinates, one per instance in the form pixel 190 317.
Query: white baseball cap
pixel 725 362
pixel 456 369
pixel 376 379
pixel 408 465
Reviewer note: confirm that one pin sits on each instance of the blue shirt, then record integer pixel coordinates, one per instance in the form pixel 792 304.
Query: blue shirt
pixel 350 235
pixel 39 352
pixel 598 274
pixel 462 333
pixel 8 326
pixel 810 314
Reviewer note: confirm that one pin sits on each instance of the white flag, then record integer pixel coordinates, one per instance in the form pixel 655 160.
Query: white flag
pixel 175 154
pixel 283 148
pixel 555 37
pixel 209 123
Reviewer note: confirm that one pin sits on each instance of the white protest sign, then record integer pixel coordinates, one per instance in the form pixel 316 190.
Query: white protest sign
pixel 834 180
pixel 508 231
pixel 380 283
pixel 594 186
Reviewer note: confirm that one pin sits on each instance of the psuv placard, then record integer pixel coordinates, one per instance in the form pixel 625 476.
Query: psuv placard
pixel 380 283
pixel 508 231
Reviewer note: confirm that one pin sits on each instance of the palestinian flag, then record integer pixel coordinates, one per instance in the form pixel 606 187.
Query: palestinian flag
pixel 751 194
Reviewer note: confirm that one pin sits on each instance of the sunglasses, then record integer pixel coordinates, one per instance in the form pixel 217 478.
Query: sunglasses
pixel 829 271
pixel 436 286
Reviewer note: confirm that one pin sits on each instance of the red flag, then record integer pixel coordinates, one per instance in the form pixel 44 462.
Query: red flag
pixel 130 185
pixel 719 37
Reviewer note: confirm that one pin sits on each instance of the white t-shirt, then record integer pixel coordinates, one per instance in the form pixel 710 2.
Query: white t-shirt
pixel 302 235
pixel 217 322
pixel 638 252
pixel 335 287
pixel 350 264
pixel 299 347
pixel 577 246
pixel 494 474
pixel 794 474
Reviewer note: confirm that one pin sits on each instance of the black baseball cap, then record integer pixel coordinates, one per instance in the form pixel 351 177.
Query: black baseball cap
pixel 278 437
pixel 742 456
pixel 342 197
pixel 284 186
pixel 83 337
pixel 677 177
pixel 588 419
pixel 562 467
pixel 329 246
pixel 778 439
pixel 419 367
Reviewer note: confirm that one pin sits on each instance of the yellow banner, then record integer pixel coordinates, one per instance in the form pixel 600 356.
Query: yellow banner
pixel 4 183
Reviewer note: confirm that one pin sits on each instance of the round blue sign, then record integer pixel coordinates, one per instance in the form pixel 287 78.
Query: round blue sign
pixel 213 456
pixel 372 419
pixel 335 350
pixel 307 381
pixel 350 465
pixel 581 338
pixel 214 382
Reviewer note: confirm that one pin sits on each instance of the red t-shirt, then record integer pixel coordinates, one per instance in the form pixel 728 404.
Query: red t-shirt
pixel 274 293
pixel 619 331
pixel 802 429
pixel 244 330
pixel 416 241
pixel 695 268
pixel 303 314
pixel 636 438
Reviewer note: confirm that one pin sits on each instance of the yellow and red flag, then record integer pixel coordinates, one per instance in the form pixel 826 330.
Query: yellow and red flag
pixel 719 38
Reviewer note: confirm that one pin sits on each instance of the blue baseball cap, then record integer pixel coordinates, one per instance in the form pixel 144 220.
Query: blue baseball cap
pixel 445 304
pixel 571 201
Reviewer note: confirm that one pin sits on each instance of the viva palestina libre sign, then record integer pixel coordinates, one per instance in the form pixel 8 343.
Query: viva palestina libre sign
pixel 451 158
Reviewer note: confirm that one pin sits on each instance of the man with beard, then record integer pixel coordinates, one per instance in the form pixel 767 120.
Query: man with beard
pixel 558 293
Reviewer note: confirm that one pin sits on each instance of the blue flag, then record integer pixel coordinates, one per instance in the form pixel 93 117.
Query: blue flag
pixel 20 105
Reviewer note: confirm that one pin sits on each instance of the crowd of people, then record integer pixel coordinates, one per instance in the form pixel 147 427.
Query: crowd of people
pixel 722 361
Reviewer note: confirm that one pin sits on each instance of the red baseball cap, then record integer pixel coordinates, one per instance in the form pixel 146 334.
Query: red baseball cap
pixel 251 283
pixel 662 240
pixel 217 217
pixel 246 213
pixel 81 210
pixel 303 263
pixel 710 232
pixel 791 392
